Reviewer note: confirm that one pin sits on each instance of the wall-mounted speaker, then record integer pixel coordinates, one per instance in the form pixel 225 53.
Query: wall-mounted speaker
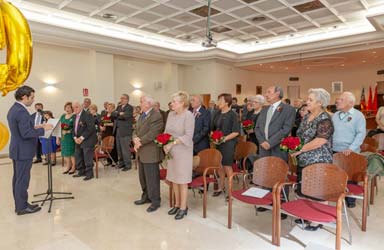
pixel 294 78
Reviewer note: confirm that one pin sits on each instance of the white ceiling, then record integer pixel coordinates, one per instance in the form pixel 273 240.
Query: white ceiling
pixel 171 25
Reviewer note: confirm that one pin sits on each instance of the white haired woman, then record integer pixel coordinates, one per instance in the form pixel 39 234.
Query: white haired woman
pixel 256 102
pixel 180 124
pixel 316 130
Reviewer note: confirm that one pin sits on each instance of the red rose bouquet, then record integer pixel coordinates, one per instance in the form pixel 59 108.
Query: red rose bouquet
pixel 248 125
pixel 291 144
pixel 65 126
pixel 216 137
pixel 162 140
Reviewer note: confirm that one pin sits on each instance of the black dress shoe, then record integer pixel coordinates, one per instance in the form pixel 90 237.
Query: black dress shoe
pixel 78 175
pixel 351 205
pixel 33 206
pixel 261 209
pixel 217 193
pixel 87 178
pixel 313 228
pixel 283 216
pixel 126 169
pixel 181 213
pixel 152 208
pixel 142 201
pixel 28 210
pixel 37 161
pixel 173 210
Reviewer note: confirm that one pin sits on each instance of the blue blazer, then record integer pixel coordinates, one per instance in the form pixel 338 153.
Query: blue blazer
pixel 23 134
pixel 202 129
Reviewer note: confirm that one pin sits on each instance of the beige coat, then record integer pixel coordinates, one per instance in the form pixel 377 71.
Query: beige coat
pixel 147 130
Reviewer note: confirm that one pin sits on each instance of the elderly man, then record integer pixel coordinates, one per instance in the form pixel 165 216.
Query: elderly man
pixel 123 128
pixel 350 129
pixel 274 123
pixel 156 107
pixel 202 124
pixel 149 125
pixel 86 103
pixel 84 134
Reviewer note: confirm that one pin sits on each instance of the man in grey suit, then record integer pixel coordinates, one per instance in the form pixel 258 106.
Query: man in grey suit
pixel 122 129
pixel 149 125
pixel 274 123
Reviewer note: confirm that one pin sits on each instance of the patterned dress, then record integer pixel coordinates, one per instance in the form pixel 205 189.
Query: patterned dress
pixel 320 127
pixel 67 142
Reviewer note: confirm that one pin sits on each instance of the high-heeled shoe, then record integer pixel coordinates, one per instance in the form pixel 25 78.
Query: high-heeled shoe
pixel 72 172
pixel 217 193
pixel 173 210
pixel 181 213
pixel 66 171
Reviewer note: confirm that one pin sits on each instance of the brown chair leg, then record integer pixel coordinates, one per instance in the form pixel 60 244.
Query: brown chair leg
pixel 372 191
pixel 338 232
pixel 365 207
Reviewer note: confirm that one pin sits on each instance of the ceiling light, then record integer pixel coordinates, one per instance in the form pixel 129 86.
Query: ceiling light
pixel 363 61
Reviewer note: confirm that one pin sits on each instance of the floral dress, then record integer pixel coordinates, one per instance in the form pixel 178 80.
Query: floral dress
pixel 67 142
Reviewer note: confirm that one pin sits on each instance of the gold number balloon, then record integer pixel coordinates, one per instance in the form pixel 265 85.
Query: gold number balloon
pixel 4 135
pixel 16 36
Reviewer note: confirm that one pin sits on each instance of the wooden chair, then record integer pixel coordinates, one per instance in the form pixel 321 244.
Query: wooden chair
pixel 322 181
pixel 104 151
pixel 242 150
pixel 267 173
pixel 292 176
pixel 210 162
pixel 355 165
pixel 380 141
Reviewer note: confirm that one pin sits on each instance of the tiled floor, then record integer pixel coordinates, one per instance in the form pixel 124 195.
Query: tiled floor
pixel 103 217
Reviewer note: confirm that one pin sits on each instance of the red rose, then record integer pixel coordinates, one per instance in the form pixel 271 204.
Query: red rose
pixel 163 139
pixel 291 143
pixel 248 124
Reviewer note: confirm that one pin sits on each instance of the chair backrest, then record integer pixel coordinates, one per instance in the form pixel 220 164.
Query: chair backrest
pixel 267 171
pixel 107 144
pixel 208 158
pixel 355 165
pixel 324 181
pixel 371 141
pixel 368 148
pixel 243 149
pixel 380 140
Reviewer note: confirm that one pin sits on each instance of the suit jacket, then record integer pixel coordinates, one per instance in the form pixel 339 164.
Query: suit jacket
pixel 201 132
pixel 86 128
pixel 123 123
pixel 23 134
pixel 279 127
pixel 147 131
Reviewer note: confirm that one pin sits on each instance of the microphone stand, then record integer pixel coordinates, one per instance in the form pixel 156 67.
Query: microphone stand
pixel 49 194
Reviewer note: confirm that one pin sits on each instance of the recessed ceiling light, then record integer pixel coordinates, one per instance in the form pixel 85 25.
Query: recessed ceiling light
pixel 363 61
pixel 109 16
pixel 342 65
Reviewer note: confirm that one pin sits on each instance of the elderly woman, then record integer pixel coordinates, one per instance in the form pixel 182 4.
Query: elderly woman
pixel 106 128
pixel 180 124
pixel 226 121
pixel 315 131
pixel 256 103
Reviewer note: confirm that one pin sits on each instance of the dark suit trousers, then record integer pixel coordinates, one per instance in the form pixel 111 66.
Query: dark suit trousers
pixel 149 175
pixel 38 150
pixel 20 183
pixel 84 160
pixel 124 150
pixel 275 151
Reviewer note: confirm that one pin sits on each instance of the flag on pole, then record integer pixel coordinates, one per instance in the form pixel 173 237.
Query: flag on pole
pixel 363 104
pixel 370 104
pixel 374 105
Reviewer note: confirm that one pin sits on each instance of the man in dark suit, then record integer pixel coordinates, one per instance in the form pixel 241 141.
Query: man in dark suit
pixel 122 128
pixel 149 125
pixel 274 123
pixel 202 124
pixel 164 115
pixel 86 103
pixel 38 118
pixel 24 136
pixel 84 134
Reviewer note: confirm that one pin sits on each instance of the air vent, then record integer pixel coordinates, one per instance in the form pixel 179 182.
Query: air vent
pixel 380 72
pixel 309 6
pixel 203 11
pixel 258 19
pixel 294 78
pixel 250 1
pixel 220 29
pixel 109 16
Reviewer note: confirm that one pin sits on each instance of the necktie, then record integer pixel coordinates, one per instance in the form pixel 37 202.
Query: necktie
pixel 142 117
pixel 77 122
pixel 38 119
pixel 268 120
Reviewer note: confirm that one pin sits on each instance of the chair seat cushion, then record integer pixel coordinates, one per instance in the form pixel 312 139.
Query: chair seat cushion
pixel 163 174
pixel 292 177
pixel 266 200
pixel 199 181
pixel 235 168
pixel 101 155
pixel 355 189
pixel 310 210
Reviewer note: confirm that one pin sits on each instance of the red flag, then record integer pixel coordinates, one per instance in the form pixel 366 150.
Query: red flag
pixel 374 105
pixel 369 106
pixel 362 100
